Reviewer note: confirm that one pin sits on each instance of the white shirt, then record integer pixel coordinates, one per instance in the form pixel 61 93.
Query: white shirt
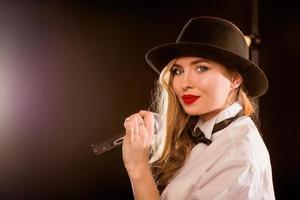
pixel 236 165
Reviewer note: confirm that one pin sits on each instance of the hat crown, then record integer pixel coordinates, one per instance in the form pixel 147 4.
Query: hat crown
pixel 217 32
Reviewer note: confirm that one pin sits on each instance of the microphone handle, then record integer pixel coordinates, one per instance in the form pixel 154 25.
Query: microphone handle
pixel 108 145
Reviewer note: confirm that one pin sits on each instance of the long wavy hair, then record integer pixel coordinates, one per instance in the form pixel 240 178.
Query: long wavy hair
pixel 171 145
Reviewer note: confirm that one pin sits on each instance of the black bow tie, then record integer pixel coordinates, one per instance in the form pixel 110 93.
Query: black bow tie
pixel 198 136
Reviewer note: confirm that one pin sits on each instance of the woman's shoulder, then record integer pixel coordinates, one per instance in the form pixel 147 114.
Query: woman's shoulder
pixel 243 128
pixel 245 142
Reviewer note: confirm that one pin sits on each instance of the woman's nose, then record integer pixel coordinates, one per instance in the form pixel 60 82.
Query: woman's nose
pixel 187 82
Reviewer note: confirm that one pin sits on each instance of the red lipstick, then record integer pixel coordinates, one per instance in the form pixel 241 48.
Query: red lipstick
pixel 189 99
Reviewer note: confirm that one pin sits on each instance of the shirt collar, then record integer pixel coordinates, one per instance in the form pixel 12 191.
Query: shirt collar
pixel 207 126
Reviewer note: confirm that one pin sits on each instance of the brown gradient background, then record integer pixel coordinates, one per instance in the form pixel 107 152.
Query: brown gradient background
pixel 71 72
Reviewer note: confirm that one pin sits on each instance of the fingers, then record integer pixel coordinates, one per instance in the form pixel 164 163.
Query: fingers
pixel 148 119
pixel 134 124
pixel 140 124
pixel 129 136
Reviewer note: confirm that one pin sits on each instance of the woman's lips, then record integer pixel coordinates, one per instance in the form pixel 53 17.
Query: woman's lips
pixel 189 99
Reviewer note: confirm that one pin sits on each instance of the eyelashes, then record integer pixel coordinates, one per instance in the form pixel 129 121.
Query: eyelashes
pixel 202 68
pixel 176 70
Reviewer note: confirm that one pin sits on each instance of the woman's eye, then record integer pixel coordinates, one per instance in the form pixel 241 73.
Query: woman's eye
pixel 176 71
pixel 202 68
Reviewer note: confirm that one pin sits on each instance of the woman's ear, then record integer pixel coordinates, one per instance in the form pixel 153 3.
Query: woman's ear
pixel 236 80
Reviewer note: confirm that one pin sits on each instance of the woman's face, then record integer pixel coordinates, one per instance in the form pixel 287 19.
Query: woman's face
pixel 202 86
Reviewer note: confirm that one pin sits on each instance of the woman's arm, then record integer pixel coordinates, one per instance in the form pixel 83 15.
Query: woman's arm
pixel 144 187
pixel 136 146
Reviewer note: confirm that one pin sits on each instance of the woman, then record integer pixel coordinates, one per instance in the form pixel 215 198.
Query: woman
pixel 209 147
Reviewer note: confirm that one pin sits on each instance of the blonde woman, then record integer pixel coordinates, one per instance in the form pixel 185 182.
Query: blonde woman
pixel 209 147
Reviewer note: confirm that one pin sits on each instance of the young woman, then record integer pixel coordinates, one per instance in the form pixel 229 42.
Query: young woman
pixel 209 147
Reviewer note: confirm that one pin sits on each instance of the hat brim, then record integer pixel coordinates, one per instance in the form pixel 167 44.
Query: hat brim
pixel 255 80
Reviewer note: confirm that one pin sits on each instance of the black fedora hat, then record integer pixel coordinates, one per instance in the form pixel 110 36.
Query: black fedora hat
pixel 216 39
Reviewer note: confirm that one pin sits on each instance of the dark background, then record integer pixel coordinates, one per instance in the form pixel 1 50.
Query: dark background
pixel 71 72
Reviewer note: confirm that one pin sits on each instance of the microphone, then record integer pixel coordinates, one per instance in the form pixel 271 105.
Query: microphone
pixel 110 144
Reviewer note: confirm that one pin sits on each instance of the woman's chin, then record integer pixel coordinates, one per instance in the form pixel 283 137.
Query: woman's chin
pixel 190 110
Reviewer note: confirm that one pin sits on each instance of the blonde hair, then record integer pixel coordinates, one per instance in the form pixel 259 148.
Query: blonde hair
pixel 171 145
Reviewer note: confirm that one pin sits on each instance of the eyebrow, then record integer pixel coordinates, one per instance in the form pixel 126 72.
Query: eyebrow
pixel 194 62
pixel 199 61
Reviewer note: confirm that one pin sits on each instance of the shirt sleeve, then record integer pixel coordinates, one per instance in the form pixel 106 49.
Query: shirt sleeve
pixel 236 179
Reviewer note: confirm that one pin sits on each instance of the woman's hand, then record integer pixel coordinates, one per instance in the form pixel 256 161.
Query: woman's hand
pixel 137 142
